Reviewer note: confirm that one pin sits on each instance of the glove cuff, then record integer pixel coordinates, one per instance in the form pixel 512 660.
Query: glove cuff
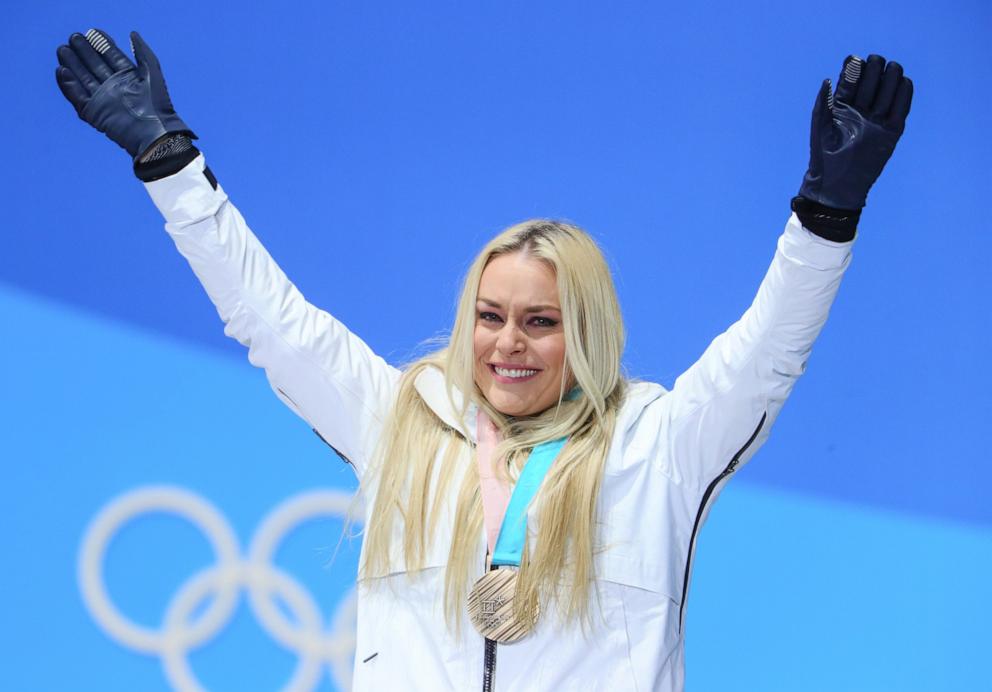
pixel 168 156
pixel 837 225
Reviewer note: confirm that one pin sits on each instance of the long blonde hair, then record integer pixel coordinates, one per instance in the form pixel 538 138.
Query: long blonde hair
pixel 411 489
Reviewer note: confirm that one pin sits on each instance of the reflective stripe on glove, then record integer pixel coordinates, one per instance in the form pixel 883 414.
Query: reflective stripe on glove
pixel 127 102
pixel 855 131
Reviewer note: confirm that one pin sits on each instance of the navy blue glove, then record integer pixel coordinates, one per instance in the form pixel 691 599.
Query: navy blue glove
pixel 127 102
pixel 855 131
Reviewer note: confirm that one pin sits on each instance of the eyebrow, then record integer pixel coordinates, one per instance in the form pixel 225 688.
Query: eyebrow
pixel 532 308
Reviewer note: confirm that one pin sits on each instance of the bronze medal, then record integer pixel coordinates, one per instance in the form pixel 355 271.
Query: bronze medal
pixel 490 607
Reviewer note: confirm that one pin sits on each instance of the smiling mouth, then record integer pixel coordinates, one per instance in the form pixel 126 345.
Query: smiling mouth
pixel 512 374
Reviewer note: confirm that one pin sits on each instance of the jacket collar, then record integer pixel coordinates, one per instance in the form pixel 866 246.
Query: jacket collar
pixel 431 388
pixel 430 385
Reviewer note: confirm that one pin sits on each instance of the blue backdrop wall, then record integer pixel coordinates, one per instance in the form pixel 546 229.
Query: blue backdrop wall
pixel 374 147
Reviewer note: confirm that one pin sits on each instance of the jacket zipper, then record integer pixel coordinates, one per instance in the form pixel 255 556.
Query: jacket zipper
pixel 734 461
pixel 489 666
pixel 489 658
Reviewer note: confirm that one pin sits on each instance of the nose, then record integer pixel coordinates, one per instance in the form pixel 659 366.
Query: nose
pixel 510 340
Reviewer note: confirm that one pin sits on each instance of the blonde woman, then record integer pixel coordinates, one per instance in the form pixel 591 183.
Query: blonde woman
pixel 531 515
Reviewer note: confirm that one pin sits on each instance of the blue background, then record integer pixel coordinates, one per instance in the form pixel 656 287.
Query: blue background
pixel 374 147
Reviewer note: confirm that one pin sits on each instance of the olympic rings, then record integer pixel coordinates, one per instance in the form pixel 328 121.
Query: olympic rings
pixel 308 637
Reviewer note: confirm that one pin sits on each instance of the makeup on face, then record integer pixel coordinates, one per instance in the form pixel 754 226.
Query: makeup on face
pixel 519 339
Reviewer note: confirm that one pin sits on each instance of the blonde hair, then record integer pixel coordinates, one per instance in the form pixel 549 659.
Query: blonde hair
pixel 410 490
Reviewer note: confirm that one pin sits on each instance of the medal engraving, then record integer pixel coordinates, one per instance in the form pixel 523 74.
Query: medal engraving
pixel 490 607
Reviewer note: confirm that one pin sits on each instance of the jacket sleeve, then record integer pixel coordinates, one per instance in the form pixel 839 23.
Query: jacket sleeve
pixel 722 408
pixel 323 372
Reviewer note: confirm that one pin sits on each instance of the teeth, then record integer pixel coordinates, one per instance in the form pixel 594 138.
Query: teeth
pixel 504 372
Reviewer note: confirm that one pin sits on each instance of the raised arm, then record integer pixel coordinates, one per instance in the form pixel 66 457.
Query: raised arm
pixel 722 408
pixel 327 375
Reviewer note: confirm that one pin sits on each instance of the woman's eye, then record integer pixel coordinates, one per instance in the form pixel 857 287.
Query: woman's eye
pixel 544 322
pixel 488 317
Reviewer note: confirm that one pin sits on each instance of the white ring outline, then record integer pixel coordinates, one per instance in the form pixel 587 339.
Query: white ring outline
pixel 265 542
pixel 306 675
pixel 120 511
pixel 308 639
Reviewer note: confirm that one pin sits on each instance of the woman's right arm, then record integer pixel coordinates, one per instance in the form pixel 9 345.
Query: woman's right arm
pixel 323 372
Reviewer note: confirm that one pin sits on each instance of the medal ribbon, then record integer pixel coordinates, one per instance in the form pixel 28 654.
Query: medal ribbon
pixel 495 491
pixel 506 544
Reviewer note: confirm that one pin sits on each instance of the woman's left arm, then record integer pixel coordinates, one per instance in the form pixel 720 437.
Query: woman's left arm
pixel 722 408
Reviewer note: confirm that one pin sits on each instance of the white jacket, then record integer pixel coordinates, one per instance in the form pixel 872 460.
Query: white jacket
pixel 671 454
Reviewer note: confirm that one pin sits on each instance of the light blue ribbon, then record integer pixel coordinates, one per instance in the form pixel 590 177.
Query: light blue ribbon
pixel 513 532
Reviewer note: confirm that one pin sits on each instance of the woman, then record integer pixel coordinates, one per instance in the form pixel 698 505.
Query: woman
pixel 518 488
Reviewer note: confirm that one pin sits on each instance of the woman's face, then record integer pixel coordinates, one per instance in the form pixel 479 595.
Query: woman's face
pixel 519 340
